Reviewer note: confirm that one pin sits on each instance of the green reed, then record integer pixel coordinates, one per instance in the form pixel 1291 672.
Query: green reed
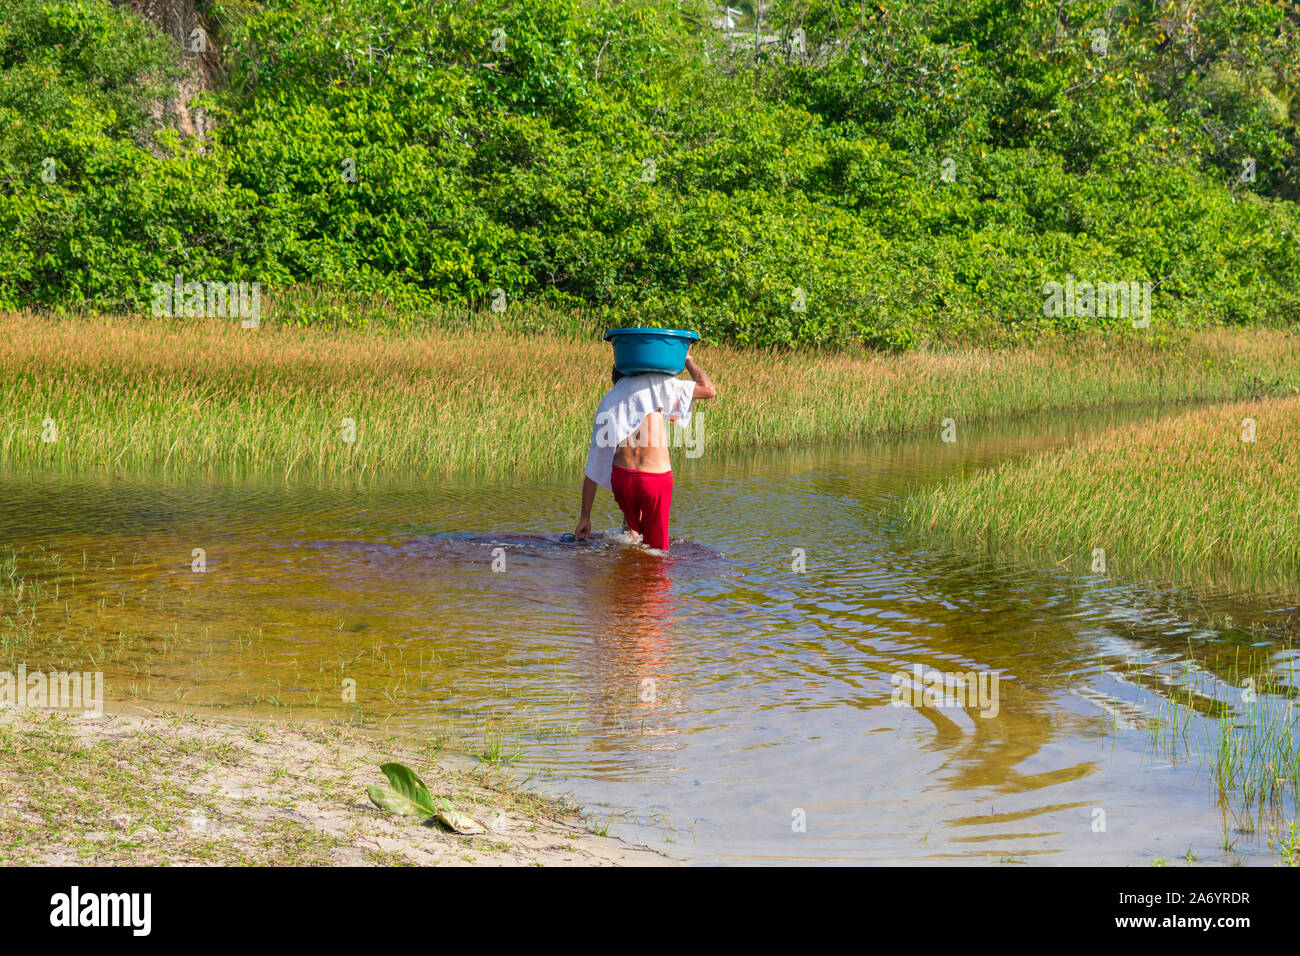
pixel 1185 498
pixel 490 397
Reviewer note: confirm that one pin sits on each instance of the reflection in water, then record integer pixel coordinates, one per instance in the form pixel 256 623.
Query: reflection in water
pixel 716 696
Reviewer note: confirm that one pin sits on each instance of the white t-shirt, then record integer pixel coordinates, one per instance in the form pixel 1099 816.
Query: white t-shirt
pixel 622 410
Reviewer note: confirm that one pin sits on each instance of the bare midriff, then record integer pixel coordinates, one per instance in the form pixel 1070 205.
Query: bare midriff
pixel 646 449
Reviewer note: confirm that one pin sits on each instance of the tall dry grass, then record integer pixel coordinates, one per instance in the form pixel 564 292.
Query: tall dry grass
pixel 207 394
pixel 1183 498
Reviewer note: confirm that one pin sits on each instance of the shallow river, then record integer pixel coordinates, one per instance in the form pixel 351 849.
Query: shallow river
pixel 724 704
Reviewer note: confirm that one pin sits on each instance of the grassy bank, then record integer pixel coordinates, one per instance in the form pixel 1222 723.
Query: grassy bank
pixel 1185 498
pixel 197 394
pixel 149 790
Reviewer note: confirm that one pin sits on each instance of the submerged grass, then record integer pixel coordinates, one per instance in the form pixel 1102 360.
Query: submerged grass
pixel 1236 718
pixel 75 613
pixel 1206 498
pixel 197 394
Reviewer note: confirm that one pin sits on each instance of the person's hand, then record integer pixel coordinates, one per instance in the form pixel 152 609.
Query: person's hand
pixel 583 529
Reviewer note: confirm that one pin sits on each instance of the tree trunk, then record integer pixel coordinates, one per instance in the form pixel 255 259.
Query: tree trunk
pixel 197 55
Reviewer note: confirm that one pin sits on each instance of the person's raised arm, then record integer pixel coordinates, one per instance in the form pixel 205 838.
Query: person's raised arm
pixel 588 499
pixel 703 387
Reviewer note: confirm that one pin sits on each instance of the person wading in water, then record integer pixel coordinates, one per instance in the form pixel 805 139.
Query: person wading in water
pixel 629 448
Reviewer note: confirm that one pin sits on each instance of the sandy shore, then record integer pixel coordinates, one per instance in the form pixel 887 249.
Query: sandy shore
pixel 190 790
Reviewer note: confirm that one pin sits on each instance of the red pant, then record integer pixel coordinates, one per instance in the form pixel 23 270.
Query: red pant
pixel 645 499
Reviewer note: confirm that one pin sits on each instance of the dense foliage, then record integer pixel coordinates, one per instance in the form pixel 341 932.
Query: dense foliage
pixel 893 173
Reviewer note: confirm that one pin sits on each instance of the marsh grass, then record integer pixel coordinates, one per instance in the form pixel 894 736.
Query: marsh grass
pixel 1237 718
pixel 1182 498
pixel 1229 713
pixel 199 395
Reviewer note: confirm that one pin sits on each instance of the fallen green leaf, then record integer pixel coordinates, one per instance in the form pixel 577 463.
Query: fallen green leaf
pixel 409 796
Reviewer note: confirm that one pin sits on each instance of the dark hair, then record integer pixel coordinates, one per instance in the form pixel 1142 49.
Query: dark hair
pixel 615 374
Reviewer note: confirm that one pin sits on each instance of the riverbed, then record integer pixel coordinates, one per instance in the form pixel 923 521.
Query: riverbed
pixel 738 701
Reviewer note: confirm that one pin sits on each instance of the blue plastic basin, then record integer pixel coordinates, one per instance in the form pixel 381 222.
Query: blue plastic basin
pixel 638 351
